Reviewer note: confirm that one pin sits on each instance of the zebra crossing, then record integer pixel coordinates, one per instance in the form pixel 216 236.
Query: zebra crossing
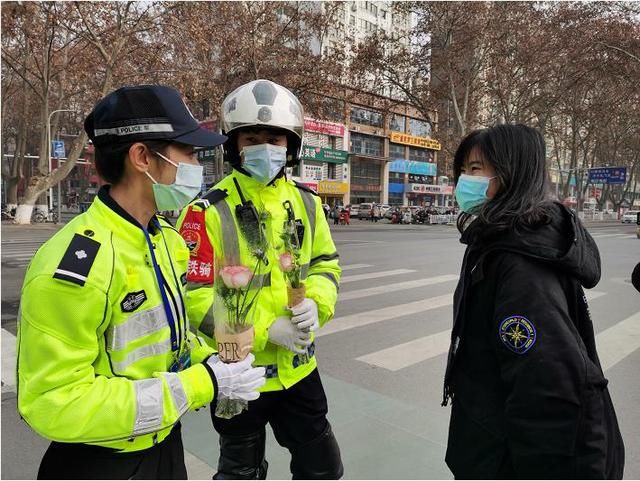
pixel 617 234
pixel 17 252
pixel 8 344
pixel 614 344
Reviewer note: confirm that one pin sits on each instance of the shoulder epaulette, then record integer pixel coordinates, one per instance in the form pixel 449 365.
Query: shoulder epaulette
pixel 77 260
pixel 304 187
pixel 212 197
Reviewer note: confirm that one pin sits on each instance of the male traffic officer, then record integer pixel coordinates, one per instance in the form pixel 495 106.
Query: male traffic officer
pixel 265 123
pixel 106 362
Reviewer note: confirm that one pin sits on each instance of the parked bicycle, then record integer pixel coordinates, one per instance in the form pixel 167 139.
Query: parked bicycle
pixel 38 215
pixel 8 214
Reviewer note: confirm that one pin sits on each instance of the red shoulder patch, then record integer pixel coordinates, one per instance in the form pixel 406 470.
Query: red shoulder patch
pixel 201 258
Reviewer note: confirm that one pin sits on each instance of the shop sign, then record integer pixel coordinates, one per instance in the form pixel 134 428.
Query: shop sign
pixel 324 127
pixel 396 188
pixel 406 139
pixel 326 187
pixel 206 155
pixel 313 172
pixel 311 185
pixel 209 125
pixel 427 189
pixel 324 154
pixel 414 167
pixel 365 187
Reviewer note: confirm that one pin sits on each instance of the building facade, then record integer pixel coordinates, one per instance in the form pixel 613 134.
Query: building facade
pixel 392 153
pixel 324 161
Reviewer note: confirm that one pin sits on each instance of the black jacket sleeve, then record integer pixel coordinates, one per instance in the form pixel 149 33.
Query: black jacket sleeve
pixel 635 277
pixel 545 373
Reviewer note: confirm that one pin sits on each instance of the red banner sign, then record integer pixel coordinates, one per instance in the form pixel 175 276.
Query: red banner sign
pixel 209 125
pixel 324 127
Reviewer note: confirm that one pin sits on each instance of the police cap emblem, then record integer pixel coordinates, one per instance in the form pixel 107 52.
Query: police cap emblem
pixel 517 334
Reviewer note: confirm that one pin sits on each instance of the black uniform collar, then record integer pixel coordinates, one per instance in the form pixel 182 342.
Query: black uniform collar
pixel 105 197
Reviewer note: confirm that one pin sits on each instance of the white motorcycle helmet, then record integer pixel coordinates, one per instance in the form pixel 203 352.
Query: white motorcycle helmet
pixel 262 103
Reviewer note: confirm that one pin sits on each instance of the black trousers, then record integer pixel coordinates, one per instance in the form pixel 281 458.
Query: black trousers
pixel 84 461
pixel 297 415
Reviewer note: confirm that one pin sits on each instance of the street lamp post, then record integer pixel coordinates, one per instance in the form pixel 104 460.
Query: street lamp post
pixel 49 156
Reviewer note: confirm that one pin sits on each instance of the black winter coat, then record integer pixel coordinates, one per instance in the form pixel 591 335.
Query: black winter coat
pixel 529 398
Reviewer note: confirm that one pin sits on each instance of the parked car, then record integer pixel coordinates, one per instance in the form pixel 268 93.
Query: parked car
pixel 354 210
pixel 389 212
pixel 365 210
pixel 384 208
pixel 630 217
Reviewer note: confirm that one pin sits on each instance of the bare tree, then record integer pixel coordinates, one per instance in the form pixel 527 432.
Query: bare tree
pixel 64 41
pixel 218 46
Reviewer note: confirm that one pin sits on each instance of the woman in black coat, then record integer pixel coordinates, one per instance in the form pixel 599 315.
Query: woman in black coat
pixel 529 397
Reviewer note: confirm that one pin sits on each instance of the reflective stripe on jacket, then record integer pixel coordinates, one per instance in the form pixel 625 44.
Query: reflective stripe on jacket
pixel 94 346
pixel 319 258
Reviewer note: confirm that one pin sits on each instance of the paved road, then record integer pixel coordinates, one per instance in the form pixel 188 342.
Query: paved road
pixel 382 358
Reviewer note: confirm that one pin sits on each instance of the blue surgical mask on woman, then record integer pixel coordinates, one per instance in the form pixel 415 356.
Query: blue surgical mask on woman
pixel 185 188
pixel 264 161
pixel 471 191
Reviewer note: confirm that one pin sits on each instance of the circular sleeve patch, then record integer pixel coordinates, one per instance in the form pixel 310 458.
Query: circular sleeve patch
pixel 517 333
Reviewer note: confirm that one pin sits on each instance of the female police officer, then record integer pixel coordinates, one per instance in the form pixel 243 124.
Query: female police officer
pixel 106 363
pixel 529 398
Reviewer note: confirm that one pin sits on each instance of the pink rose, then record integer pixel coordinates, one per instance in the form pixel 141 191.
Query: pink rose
pixel 236 277
pixel 287 263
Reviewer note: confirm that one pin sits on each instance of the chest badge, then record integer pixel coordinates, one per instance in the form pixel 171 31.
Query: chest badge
pixel 517 333
pixel 133 300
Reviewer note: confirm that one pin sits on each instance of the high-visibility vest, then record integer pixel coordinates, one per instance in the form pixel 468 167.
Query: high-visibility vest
pixel 95 346
pixel 213 232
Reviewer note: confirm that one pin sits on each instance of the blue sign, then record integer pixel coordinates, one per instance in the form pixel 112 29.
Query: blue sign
pixel 395 188
pixel 413 167
pixel 608 175
pixel 57 146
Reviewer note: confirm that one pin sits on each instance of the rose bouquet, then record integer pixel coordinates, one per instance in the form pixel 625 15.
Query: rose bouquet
pixel 236 290
pixel 291 267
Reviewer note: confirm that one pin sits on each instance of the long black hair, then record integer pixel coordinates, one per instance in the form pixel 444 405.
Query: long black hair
pixel 517 153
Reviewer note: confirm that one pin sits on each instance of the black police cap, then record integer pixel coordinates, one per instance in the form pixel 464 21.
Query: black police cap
pixel 146 112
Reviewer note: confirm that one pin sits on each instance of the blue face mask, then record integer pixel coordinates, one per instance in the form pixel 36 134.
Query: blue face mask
pixel 185 188
pixel 471 191
pixel 264 161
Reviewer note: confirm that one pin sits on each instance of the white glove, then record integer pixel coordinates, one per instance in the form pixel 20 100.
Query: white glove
pixel 237 380
pixel 286 334
pixel 305 315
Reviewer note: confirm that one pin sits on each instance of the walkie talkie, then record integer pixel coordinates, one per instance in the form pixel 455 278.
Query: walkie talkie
pixel 248 218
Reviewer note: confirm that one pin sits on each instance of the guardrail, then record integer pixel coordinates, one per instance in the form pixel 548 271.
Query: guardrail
pixel 442 219
pixel 597 215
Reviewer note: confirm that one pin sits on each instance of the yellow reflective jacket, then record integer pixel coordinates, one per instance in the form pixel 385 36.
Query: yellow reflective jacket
pixel 321 270
pixel 94 343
